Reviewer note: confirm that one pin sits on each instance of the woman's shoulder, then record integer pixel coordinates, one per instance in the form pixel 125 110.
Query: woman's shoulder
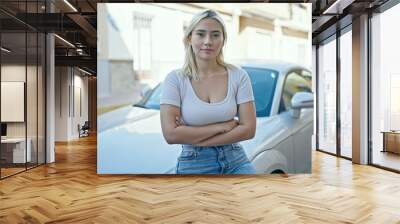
pixel 237 72
pixel 175 75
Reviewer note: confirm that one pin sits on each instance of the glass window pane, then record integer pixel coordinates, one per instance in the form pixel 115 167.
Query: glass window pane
pixel 385 89
pixel 346 94
pixel 31 101
pixel 13 87
pixel 327 97
pixel 23 85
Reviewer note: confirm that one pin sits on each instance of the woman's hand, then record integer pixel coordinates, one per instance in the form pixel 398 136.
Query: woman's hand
pixel 229 125
pixel 179 121
pixel 224 126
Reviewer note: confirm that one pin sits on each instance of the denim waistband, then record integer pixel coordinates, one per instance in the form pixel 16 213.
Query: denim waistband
pixel 207 147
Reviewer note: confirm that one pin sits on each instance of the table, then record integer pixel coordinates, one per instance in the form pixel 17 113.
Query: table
pixel 391 141
pixel 17 149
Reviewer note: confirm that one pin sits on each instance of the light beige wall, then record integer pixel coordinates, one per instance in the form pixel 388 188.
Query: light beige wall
pixel 69 85
pixel 33 127
pixel 17 73
pixel 62 80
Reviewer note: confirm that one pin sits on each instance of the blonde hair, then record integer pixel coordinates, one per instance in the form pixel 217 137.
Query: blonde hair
pixel 189 68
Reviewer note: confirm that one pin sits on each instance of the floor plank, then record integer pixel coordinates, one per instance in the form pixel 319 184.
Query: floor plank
pixel 70 191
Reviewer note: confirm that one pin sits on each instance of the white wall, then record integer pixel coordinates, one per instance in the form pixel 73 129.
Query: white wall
pixel 33 126
pixel 61 103
pixel 14 73
pixel 80 83
pixel 17 73
pixel 68 83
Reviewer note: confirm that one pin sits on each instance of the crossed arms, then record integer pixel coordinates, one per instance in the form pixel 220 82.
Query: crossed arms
pixel 222 133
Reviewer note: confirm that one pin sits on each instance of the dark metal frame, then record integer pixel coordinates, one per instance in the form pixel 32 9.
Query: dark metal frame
pixel 316 97
pixel 333 37
pixel 369 90
pixel 339 32
pixel 338 75
pixel 389 4
pixel 26 89
pixel 45 88
pixel 44 75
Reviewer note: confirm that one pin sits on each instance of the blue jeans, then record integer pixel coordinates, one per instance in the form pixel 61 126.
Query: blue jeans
pixel 223 159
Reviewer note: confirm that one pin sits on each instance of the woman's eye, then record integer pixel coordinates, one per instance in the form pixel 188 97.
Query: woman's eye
pixel 216 35
pixel 200 34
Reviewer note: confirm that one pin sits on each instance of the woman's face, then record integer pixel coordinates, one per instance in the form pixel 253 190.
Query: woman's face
pixel 207 39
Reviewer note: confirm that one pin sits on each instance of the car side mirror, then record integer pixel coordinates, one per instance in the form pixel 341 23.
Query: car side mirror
pixel 300 101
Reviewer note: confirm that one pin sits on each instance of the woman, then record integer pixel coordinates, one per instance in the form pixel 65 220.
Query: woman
pixel 200 101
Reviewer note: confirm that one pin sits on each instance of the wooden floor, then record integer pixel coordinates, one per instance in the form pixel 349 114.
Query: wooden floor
pixel 5 172
pixel 387 159
pixel 70 191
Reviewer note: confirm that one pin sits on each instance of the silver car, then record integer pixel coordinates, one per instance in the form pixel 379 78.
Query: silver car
pixel 130 139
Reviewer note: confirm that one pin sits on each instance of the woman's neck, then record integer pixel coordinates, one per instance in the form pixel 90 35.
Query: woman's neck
pixel 206 68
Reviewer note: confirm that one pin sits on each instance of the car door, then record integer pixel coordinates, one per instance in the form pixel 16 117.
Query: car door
pixel 300 128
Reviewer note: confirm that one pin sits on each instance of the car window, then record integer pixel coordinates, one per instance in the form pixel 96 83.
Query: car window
pixel 263 82
pixel 296 81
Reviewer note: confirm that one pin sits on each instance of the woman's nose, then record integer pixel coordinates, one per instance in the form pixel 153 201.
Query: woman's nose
pixel 207 40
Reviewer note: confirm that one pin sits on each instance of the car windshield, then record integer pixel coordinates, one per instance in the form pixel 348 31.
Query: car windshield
pixel 152 99
pixel 263 83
